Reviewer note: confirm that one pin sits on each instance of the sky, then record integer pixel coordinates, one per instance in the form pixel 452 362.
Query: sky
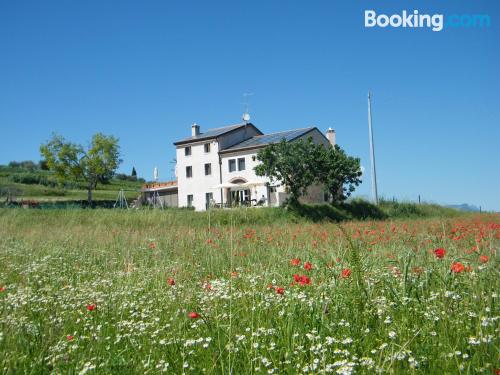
pixel 145 71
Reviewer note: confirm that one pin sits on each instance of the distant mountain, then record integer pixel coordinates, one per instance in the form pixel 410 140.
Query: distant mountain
pixel 464 207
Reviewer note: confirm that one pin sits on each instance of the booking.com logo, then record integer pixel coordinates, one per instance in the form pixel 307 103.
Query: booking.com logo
pixel 436 22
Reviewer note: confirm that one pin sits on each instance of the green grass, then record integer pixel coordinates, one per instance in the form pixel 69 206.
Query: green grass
pixel 47 193
pixel 400 311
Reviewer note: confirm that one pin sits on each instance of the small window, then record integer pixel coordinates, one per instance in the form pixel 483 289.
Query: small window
pixel 187 151
pixel 190 200
pixel 189 171
pixel 272 189
pixel 254 157
pixel 208 169
pixel 241 164
pixel 232 165
pixel 207 147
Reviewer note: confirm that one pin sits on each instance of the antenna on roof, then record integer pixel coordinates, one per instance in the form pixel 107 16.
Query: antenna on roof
pixel 246 114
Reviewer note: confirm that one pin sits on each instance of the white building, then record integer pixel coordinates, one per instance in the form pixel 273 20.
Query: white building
pixel 216 168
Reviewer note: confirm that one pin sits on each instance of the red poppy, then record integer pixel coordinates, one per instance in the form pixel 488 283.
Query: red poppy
pixel 2 289
pixel 457 267
pixel 280 290
pixel 295 262
pixel 296 277
pixel 484 258
pixel 308 266
pixel 170 281
pixel 303 280
pixel 152 245
pixel 440 253
pixel 69 337
pixel 91 307
pixel 208 286
pixel 346 272
pixel 193 315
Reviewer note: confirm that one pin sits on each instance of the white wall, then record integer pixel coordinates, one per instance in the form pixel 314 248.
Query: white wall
pixel 199 184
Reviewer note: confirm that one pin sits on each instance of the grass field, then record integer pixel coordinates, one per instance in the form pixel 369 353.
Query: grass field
pixel 243 292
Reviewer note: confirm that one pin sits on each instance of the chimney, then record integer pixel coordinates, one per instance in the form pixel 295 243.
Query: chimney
pixel 330 134
pixel 195 129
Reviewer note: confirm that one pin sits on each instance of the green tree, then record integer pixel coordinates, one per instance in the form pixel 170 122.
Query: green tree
pixel 133 174
pixel 71 161
pixel 290 164
pixel 338 173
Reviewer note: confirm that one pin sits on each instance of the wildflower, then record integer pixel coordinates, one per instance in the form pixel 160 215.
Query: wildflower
pixel 457 267
pixel 170 281
pixel 280 290
pixel 392 335
pixel 91 307
pixel 295 262
pixel 484 258
pixel 440 253
pixel 308 266
pixel 152 245
pixel 193 315
pixel 346 272
pixel 69 337
pixel 302 280
pixel 2 289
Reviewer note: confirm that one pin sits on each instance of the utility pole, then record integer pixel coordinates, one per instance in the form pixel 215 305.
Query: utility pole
pixel 372 152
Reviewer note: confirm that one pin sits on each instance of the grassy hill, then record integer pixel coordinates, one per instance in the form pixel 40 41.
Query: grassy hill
pixel 33 183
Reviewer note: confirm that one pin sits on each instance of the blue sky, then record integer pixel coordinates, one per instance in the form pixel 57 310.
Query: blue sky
pixel 144 71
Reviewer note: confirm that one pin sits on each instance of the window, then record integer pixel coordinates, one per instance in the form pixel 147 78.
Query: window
pixel 187 151
pixel 189 171
pixel 208 169
pixel 254 158
pixel 190 200
pixel 241 164
pixel 207 147
pixel 232 165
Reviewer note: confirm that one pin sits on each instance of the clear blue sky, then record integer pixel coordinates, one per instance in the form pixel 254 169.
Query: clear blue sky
pixel 144 71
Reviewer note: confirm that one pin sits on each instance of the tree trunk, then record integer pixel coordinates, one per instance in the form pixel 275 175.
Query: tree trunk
pixel 89 193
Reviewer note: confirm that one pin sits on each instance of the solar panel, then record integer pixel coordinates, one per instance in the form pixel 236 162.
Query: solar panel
pixel 260 140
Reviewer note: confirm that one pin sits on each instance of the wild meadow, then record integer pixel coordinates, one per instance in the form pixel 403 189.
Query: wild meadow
pixel 239 292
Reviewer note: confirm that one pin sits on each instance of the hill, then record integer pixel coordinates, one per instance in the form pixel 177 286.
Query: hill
pixel 29 181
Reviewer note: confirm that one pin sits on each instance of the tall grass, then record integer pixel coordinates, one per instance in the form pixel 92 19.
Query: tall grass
pixel 399 310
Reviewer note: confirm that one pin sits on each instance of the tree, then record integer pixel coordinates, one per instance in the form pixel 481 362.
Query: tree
pixel 134 173
pixel 338 172
pixel 71 161
pixel 299 164
pixel 289 163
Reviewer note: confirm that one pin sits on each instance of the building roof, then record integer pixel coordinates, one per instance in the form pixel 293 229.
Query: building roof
pixel 265 139
pixel 156 186
pixel 213 133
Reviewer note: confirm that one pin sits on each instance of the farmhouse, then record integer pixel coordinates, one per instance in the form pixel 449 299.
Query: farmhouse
pixel 215 168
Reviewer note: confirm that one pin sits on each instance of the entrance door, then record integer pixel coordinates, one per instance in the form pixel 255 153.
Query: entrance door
pixel 208 199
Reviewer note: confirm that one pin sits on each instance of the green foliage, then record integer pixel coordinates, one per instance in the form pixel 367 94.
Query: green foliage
pixel 134 173
pixel 292 164
pixel 338 172
pixel 70 161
